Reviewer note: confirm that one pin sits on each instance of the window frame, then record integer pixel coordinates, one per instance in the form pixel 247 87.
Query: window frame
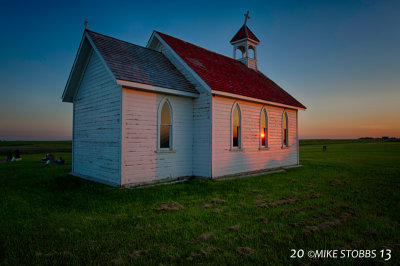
pixel 240 146
pixel 285 135
pixel 171 129
pixel 266 146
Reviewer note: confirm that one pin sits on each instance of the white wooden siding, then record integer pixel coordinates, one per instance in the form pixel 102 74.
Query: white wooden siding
pixel 201 118
pixel 97 125
pixel 140 161
pixel 251 158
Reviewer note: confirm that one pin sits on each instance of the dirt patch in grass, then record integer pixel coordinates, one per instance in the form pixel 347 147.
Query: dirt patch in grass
pixel 118 261
pixel 372 233
pixel 244 250
pixel 234 228
pixel 206 236
pixel 62 253
pixel 286 213
pixel 208 205
pixel 335 182
pixel 354 244
pixel 264 220
pixel 217 200
pixel 201 253
pixel 170 206
pixel 344 217
pixel 265 204
pixel 138 253
pixel 217 210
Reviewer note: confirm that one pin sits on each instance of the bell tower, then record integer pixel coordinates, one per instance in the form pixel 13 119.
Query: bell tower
pixel 245 45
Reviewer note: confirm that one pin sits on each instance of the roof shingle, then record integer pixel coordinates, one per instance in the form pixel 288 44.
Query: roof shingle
pixel 226 74
pixel 139 64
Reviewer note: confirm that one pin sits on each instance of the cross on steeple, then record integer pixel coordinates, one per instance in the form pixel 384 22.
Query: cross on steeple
pixel 86 24
pixel 247 17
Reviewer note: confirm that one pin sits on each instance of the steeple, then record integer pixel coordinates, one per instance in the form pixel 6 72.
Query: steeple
pixel 245 45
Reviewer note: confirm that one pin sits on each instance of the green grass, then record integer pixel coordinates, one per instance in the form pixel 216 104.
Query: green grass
pixel 48 217
pixel 5 144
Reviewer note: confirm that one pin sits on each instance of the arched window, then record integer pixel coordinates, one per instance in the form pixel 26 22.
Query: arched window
pixel 240 52
pixel 264 129
pixel 285 130
pixel 236 127
pixel 165 126
pixel 251 52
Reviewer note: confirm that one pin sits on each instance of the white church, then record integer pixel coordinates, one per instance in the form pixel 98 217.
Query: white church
pixel 174 110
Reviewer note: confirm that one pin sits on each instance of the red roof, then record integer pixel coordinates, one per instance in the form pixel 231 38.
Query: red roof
pixel 244 33
pixel 222 73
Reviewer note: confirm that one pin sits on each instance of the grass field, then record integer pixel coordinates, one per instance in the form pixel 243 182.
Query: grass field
pixel 345 198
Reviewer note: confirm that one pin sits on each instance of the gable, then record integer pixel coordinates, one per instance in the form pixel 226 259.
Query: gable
pixel 127 63
pixel 78 69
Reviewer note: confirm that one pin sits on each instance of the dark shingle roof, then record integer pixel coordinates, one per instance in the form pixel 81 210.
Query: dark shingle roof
pixel 139 64
pixel 226 74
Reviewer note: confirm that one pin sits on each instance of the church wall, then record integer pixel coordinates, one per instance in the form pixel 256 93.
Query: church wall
pixel 251 158
pixel 141 163
pixel 201 118
pixel 97 125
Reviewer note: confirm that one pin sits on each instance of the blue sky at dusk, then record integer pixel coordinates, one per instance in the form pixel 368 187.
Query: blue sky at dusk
pixel 341 59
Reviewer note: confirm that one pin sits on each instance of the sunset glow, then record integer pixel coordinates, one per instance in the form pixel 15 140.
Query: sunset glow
pixel 340 59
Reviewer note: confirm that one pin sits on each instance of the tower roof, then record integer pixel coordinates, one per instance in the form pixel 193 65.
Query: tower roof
pixel 244 33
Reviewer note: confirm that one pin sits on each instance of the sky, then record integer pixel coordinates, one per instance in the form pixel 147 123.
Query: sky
pixel 341 59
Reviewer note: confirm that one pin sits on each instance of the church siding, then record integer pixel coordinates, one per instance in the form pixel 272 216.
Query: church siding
pixel 251 158
pixel 97 125
pixel 201 117
pixel 141 163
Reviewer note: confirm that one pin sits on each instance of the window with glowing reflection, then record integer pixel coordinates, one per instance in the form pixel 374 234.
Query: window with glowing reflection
pixel 236 134
pixel 264 129
pixel 165 127
pixel 285 131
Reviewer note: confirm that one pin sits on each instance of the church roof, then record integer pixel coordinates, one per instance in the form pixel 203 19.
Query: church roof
pixel 225 74
pixel 244 33
pixel 134 63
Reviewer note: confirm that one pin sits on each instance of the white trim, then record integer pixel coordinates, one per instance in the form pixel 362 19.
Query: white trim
pixel 251 99
pixel 94 48
pixel 73 65
pixel 82 74
pixel 266 146
pixel 297 137
pixel 147 87
pixel 245 39
pixel 165 100
pixel 122 141
pixel 240 144
pixel 285 118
